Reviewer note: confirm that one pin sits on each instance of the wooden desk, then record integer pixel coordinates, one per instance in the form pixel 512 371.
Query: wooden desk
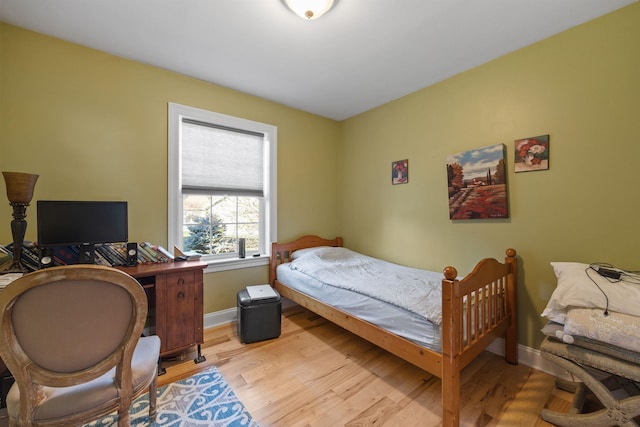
pixel 174 292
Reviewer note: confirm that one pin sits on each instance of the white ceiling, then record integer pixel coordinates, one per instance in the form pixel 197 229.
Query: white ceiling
pixel 361 54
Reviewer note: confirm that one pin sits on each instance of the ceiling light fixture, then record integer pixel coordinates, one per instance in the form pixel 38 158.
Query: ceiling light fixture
pixel 309 9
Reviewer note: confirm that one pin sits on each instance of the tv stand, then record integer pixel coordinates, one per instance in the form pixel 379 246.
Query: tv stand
pixel 174 294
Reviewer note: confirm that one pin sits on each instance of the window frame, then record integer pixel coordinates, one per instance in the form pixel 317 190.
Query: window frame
pixel 176 112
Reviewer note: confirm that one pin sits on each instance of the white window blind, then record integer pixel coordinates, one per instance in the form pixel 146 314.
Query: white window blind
pixel 222 171
pixel 222 160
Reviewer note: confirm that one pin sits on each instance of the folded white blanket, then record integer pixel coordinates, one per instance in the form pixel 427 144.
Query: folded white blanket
pixel 621 330
pixel 415 290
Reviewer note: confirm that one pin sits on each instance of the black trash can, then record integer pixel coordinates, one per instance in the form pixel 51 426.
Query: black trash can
pixel 259 314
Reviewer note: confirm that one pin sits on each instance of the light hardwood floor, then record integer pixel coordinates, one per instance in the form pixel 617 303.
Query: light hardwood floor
pixel 317 374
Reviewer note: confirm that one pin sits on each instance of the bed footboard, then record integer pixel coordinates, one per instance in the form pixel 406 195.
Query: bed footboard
pixel 476 310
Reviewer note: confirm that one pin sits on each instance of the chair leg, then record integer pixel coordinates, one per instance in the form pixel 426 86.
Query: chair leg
pixel 123 416
pixel 153 394
pixel 615 413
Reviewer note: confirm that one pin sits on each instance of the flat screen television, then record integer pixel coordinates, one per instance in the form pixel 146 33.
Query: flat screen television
pixel 81 223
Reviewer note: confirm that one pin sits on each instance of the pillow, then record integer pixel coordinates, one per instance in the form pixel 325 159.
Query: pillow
pixel 302 252
pixel 577 289
pixel 327 253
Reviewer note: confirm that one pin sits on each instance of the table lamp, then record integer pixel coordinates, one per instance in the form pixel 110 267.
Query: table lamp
pixel 19 192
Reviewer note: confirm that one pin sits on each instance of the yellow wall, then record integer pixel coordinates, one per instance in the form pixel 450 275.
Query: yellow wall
pixel 94 126
pixel 582 87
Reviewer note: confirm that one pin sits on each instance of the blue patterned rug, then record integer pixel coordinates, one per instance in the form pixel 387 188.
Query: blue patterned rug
pixel 204 399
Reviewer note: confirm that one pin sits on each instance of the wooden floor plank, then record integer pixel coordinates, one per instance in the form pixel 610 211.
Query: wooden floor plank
pixel 317 374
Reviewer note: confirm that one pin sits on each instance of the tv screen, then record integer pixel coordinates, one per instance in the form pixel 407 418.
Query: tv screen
pixel 69 223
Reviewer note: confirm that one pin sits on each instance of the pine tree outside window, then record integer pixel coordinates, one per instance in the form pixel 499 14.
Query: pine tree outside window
pixel 221 184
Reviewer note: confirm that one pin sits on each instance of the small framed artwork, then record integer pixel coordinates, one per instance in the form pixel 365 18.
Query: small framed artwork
pixel 477 183
pixel 532 154
pixel 400 172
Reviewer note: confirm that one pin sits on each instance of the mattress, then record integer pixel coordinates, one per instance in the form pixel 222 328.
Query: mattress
pixel 394 319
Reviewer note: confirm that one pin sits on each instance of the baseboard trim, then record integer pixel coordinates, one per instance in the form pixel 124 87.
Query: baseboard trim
pixel 526 355
pixel 218 318
pixel 531 357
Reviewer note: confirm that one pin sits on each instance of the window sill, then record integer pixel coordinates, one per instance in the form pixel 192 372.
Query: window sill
pixel 235 263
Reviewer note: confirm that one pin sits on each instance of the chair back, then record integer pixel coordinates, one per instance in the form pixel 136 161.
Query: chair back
pixel 64 326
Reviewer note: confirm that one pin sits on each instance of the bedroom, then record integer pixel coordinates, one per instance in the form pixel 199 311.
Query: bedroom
pixel 94 126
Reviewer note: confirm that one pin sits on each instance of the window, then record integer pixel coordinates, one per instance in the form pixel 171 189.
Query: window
pixel 222 185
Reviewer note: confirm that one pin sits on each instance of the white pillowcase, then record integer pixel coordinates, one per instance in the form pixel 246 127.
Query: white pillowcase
pixel 576 289
pixel 301 252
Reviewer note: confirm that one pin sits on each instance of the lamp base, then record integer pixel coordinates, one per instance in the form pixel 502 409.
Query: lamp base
pixel 16 267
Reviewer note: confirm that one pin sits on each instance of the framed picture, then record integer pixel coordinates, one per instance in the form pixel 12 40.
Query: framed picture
pixel 531 154
pixel 400 172
pixel 477 184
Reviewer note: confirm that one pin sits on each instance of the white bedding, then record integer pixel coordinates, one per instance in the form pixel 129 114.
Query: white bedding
pixel 387 316
pixel 580 287
pixel 616 329
pixel 417 291
pixel 578 304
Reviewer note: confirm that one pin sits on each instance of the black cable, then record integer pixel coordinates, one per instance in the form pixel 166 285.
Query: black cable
pixel 627 276
pixel 630 277
pixel 591 267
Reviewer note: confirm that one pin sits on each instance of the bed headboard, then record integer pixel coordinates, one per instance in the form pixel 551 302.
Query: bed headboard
pixel 281 252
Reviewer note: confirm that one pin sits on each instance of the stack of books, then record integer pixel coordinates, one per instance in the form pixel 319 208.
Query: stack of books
pixel 115 254
pixel 30 256
pixel 108 254
pixel 5 258
pixel 185 255
pixel 6 279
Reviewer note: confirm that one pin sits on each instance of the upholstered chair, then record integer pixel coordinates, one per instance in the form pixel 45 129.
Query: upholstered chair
pixel 71 337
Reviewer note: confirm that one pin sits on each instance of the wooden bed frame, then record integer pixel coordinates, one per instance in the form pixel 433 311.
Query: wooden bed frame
pixel 492 283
